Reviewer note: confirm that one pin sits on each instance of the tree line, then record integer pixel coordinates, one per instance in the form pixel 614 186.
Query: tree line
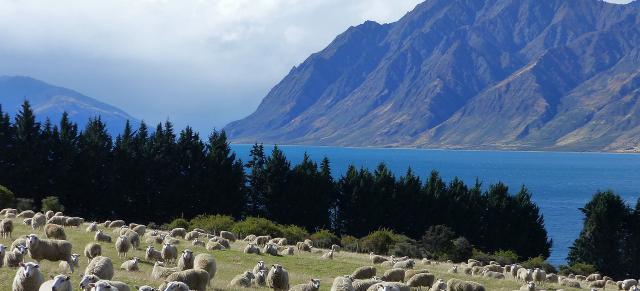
pixel 158 174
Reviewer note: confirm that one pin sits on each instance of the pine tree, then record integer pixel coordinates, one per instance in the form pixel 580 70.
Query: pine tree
pixel 257 188
pixel 225 177
pixel 278 173
pixel 28 167
pixel 6 148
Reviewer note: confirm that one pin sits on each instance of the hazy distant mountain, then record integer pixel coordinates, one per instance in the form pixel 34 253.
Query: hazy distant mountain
pixel 51 101
pixel 509 74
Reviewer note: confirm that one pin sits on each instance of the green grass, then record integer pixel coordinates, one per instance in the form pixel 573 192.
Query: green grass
pixel 231 262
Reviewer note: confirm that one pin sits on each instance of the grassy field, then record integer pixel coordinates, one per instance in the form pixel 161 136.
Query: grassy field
pixel 231 262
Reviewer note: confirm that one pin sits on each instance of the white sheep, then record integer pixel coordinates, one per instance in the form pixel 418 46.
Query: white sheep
pixel 628 283
pixel 364 284
pixel 439 285
pixel 261 279
pixel 146 288
pixel 101 236
pixel 6 228
pixel 389 286
pixel 270 249
pixel 131 265
pixel 101 267
pixel 65 268
pixel 459 285
pixel 178 232
pixel 278 278
pixel 259 266
pixel 38 221
pixel 243 280
pixel 151 254
pixel 28 278
pixel 92 227
pixel 185 261
pixel 252 249
pixel 228 235
pixel 102 286
pixel 54 231
pixel 176 286
pixel 50 250
pixel 140 229
pixel 312 285
pixel 169 253
pixel 539 276
pixel 377 259
pixel 394 275
pixel 57 283
pixel 159 271
pixel 123 245
pixel 342 283
pixel 13 258
pixel 328 255
pixel 206 262
pixel 89 281
pixel 365 272
pixel 116 224
pixel 421 280
pixel 196 279
pixel 3 251
pixel 530 286
pixel 92 250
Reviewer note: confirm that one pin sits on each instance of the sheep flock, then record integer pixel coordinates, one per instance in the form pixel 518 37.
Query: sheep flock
pixel 44 251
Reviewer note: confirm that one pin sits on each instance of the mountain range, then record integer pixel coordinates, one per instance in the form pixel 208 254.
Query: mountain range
pixel 49 101
pixel 467 74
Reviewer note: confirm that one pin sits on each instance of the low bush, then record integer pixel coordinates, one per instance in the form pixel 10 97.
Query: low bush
pixel 539 262
pixel 294 233
pixel 324 238
pixel 461 250
pixel 52 203
pixel 379 241
pixel 212 223
pixel 577 269
pixel 257 226
pixel 350 243
pixel 406 246
pixel 23 204
pixel 179 223
pixel 507 257
pixel 7 198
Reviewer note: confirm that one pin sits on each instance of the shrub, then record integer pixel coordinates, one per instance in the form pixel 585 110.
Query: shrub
pixel 294 233
pixel 23 204
pixel 507 257
pixel 379 241
pixel 324 238
pixel 437 241
pixel 52 203
pixel 179 223
pixel 349 243
pixel 481 256
pixel 539 262
pixel 7 198
pixel 577 269
pixel 212 223
pixel 257 226
pixel 461 250
pixel 406 246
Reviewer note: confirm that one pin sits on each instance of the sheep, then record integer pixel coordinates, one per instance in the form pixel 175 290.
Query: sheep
pixel 222 241
pixel 421 280
pixel 393 275
pixel 580 277
pixel 259 266
pixel 365 272
pixel 493 275
pixel 101 236
pixel 48 214
pixel 133 237
pixel 100 266
pixel 13 258
pixel 58 220
pixel 364 284
pixel 196 279
pixel 389 286
pixel 261 279
pixel 312 285
pixel 524 275
pixel 251 249
pixel 288 251
pixel 73 221
pixel 628 283
pixel 530 286
pixel 3 251
pixel 192 235
pixel 439 285
pixel 147 288
pixel 206 262
pixel 594 277
pixel 116 224
pixel 123 245
pixel 6 228
pixel 198 243
pixel 303 247
pixel 598 284
pixel 26 214
pixel 38 221
pixel 459 285
pixel 406 264
pixel 228 235
pixel 243 280
pixel 28 278
pixel 151 254
pixel 92 250
pixel 262 240
pixel 140 229
pixel 65 267
pixel 494 268
pixel 131 265
pixel 328 255
pixel 410 273
pixel 101 286
pixel 552 278
pixel 27 221
pixel 88 280
pixel 169 253
pixel 159 271
pixel 215 246
pixel 51 250
pixel 278 278
pixel 57 283
pixel 92 227
pixel 186 260
pixel 54 231
pixel 539 276
pixel 377 259
pixel 569 283
pixel 453 270
pixel 178 232
pixel 342 283
pixel 249 238
pixel 176 286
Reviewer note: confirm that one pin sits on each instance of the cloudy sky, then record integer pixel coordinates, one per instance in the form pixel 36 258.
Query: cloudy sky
pixel 197 62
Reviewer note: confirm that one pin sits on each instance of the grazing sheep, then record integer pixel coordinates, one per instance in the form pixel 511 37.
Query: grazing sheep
pixel 628 283
pixel 100 266
pixel 57 283
pixel 159 271
pixel 262 240
pixel 342 283
pixel 206 262
pixel 178 232
pixel 151 254
pixel 28 278
pixel 215 246
pixel 3 251
pixel 453 270
pixel 421 280
pixel 139 229
pixel 539 275
pixel 169 253
pixel 278 278
pixel 389 286
pixel 328 255
pixel 116 224
pixel 92 250
pixel 228 235
pixel 123 245
pixel 312 285
pixel 394 275
pixel 13 258
pixel 101 236
pixel 198 243
pixel 580 278
pixel 27 221
pixel 410 273
pixel 49 214
pixel 65 268
pixel 406 264
pixel 594 277
pixel 38 221
pixel 50 250
pixel 252 249
pixel 569 283
pixel 524 275
pixel 301 246
pixel 92 227
pixel 185 261
pixel 222 241
pixel 598 284
pixel 192 235
pixel 243 280
pixel 147 288
pixel 133 237
pixel 365 272
pixel 131 265
pixel 494 268
pixel 176 286
pixel 259 266
pixel 377 259
pixel 54 231
pixel 364 284
pixel 288 251
pixel 89 281
pixel 197 280
pixel 249 238
pixel 439 285
pixel 58 220
pixel 492 274
pixel 26 214
pixel 530 286
pixel 552 278
pixel 6 228
pixel 459 285
pixel 73 221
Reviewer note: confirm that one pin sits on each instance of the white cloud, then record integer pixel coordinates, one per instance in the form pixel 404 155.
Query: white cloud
pixel 199 62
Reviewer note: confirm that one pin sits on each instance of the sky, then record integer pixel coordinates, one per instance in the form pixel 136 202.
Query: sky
pixel 194 62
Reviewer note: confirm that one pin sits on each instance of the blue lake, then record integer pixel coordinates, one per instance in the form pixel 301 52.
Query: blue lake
pixel 560 182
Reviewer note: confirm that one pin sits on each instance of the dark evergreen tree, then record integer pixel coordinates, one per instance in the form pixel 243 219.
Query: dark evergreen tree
pixel 257 185
pixel 28 168
pixel 225 180
pixel 278 173
pixel 6 148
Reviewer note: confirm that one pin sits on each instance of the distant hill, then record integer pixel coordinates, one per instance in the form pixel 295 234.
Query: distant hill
pixel 50 101
pixel 473 74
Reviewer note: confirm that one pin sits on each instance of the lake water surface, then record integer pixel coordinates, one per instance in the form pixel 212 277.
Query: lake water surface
pixel 560 182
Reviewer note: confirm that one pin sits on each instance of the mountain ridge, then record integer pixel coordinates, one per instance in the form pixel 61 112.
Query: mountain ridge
pixel 486 74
